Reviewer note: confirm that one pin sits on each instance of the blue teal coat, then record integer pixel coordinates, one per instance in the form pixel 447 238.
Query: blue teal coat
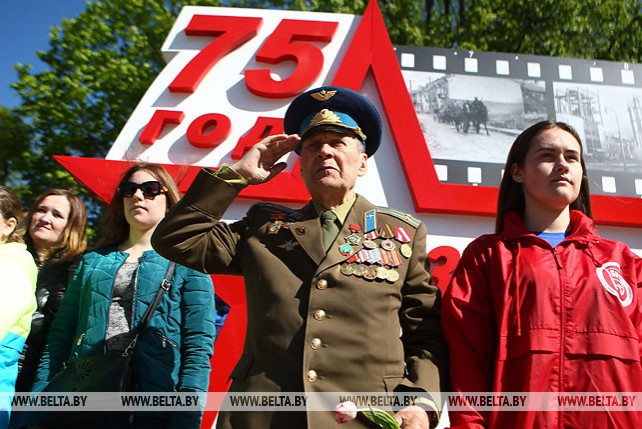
pixel 172 354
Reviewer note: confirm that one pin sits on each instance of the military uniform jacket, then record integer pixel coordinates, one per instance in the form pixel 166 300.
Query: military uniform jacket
pixel 311 327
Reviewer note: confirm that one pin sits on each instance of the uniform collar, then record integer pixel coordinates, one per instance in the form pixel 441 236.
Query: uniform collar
pixel 341 211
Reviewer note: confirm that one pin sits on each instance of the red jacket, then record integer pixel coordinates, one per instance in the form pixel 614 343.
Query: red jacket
pixel 520 316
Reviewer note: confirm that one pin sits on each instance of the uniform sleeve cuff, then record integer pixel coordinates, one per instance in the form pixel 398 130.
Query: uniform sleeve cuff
pixel 431 408
pixel 231 177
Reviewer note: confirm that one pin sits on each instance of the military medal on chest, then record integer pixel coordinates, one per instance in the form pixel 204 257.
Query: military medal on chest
pixel 370 220
pixel 406 250
pixel 346 249
pixel 289 245
pixel 277 222
pixel 274 227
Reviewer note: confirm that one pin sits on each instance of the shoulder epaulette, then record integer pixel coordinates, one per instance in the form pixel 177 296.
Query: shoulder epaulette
pixel 408 218
pixel 276 208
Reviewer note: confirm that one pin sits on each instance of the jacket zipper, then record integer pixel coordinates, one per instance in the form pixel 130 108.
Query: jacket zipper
pixel 80 338
pixel 111 298
pixel 165 340
pixel 562 330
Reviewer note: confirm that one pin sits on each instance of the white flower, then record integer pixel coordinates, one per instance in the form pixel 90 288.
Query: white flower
pixel 345 412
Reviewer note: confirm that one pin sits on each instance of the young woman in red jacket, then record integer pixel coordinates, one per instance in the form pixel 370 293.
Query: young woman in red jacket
pixel 545 304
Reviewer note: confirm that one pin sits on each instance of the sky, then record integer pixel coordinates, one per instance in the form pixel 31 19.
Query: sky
pixel 24 30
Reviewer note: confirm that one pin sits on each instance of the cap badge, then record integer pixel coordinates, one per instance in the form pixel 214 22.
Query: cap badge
pixel 323 95
pixel 325 116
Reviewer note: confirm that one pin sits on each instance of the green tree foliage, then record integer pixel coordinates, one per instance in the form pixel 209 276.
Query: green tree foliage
pixel 15 138
pixel 99 64
pixel 598 29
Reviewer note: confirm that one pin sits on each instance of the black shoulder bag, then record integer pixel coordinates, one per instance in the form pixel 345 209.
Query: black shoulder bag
pixel 103 373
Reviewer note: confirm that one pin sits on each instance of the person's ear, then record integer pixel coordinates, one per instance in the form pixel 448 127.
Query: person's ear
pixel 516 173
pixel 363 165
pixel 9 227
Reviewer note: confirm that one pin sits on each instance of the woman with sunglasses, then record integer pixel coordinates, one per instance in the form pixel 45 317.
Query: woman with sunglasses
pixel 545 304
pixel 17 299
pixel 110 291
pixel 56 237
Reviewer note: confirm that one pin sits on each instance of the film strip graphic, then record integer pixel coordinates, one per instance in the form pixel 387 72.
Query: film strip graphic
pixel 471 106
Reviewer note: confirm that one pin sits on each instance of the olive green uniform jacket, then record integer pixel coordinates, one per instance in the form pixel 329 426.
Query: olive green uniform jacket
pixel 311 328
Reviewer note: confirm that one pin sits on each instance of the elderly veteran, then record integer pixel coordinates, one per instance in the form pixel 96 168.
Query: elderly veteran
pixel 338 299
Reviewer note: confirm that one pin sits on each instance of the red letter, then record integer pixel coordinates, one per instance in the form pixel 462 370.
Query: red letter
pixel 198 137
pixel 155 125
pixel 262 128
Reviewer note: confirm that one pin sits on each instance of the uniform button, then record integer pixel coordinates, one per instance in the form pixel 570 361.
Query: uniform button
pixel 319 314
pixel 315 343
pixel 322 284
pixel 311 376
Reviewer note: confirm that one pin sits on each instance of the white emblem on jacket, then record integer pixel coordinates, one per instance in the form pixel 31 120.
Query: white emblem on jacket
pixel 611 277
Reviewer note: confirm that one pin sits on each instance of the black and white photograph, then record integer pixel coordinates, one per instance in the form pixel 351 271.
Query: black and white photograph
pixel 474 118
pixel 609 121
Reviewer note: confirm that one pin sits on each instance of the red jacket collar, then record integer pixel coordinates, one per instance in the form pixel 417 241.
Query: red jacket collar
pixel 583 227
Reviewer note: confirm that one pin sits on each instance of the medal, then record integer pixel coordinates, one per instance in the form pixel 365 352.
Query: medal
pixel 371 235
pixel 274 227
pixel 346 249
pixel 382 273
pixel 371 273
pixel 352 258
pixel 395 260
pixel 376 257
pixel 393 276
pixel 402 236
pixel 359 270
pixel 300 230
pixel 354 228
pixel 289 245
pixel 369 244
pixel 352 239
pixel 388 245
pixel 347 269
pixel 406 250
pixel 369 220
pixel 385 231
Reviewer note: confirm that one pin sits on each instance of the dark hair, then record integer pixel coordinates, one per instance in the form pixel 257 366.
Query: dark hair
pixel 511 194
pixel 113 227
pixel 10 207
pixel 73 240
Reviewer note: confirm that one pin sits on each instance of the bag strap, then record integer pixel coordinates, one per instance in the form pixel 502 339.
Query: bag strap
pixel 164 287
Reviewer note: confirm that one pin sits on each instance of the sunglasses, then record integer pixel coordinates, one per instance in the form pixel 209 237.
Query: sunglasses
pixel 150 189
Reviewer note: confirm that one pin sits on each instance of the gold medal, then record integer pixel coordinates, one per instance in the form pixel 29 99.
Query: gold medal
pixel 371 273
pixel 393 276
pixel 347 269
pixel 382 273
pixel 369 244
pixel 406 250
pixel 359 270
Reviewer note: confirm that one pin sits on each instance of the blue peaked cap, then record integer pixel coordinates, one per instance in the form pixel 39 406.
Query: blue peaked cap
pixel 338 109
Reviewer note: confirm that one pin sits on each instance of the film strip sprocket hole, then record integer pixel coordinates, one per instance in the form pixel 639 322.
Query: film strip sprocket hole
pixel 471 105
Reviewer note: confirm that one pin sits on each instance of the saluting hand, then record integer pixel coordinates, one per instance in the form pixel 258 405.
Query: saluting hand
pixel 259 164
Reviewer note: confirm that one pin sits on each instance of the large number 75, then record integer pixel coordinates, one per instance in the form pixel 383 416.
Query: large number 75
pixel 286 43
